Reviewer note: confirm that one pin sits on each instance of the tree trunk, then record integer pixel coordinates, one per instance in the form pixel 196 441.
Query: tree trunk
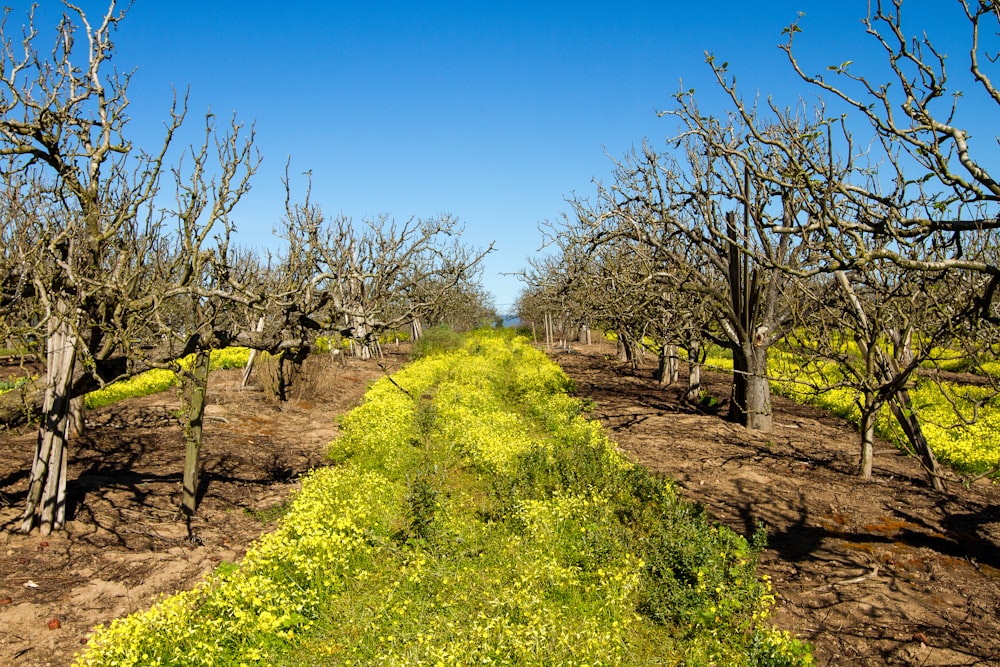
pixel 662 372
pixel 667 373
pixel 197 382
pixel 867 427
pixel 902 409
pixel 738 392
pixel 416 330
pixel 19 405
pixel 694 372
pixel 281 380
pixel 753 409
pixel 26 402
pixel 76 419
pixel 627 350
pixel 362 348
pixel 46 499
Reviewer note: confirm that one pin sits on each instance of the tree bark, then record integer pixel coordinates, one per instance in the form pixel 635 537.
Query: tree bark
pixel 46 499
pixel 694 372
pixel 197 388
pixel 19 405
pixel 753 407
pixel 867 428
pixel 662 373
pixel 667 373
pixel 360 337
pixel 902 409
pixel 76 420
pixel 738 392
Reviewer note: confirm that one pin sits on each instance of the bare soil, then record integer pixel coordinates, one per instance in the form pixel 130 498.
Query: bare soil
pixel 886 572
pixel 125 543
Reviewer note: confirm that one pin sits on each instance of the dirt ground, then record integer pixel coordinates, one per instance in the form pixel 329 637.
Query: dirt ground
pixel 125 543
pixel 885 572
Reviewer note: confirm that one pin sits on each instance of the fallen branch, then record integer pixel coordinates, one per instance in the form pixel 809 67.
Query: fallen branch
pixel 855 580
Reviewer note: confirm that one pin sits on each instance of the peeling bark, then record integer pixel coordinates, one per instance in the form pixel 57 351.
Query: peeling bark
pixel 46 499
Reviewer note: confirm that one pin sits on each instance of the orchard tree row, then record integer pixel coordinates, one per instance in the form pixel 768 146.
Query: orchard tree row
pixel 864 240
pixel 116 258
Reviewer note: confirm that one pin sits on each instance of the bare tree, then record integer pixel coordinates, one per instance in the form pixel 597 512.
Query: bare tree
pixel 940 186
pixel 209 284
pixel 734 261
pixel 98 272
pixel 583 285
pixel 926 204
pixel 61 130
pixel 362 279
pixel 465 305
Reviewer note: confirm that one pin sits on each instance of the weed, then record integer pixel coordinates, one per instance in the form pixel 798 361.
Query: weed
pixel 269 514
pixel 422 493
pixel 707 400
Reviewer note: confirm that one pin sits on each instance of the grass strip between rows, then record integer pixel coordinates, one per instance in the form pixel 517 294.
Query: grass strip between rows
pixel 472 515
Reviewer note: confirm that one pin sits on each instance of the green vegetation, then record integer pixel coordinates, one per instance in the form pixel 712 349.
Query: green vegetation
pixel 157 379
pixel 437 340
pixel 12 383
pixel 475 516
pixel 269 514
pixel 961 422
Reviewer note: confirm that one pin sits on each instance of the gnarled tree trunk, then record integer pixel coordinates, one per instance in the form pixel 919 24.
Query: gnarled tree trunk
pixel 869 410
pixel 667 373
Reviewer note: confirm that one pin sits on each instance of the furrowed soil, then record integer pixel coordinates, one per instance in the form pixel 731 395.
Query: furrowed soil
pixel 884 572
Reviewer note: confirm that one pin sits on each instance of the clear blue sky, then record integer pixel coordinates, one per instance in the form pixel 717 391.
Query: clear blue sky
pixel 493 112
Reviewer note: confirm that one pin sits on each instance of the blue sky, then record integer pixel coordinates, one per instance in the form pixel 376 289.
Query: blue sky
pixel 493 112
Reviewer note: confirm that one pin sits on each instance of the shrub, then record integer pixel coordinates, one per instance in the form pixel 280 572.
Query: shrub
pixel 437 340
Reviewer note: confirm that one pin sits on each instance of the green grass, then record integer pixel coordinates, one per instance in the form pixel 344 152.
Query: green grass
pixel 269 514
pixel 474 516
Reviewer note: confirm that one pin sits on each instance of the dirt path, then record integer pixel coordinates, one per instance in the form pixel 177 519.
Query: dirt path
pixel 886 572
pixel 125 544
